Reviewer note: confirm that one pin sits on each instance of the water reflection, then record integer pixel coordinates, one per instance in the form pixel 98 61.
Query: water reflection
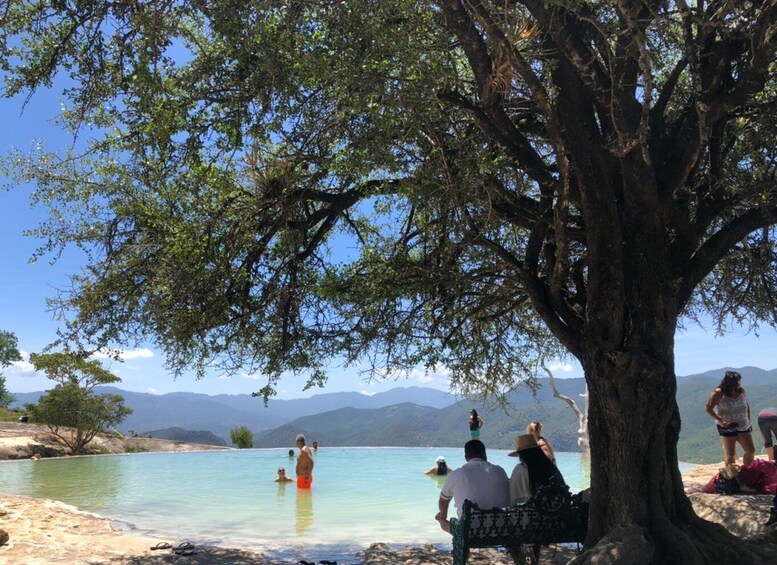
pixel 304 510
pixel 585 468
pixel 281 498
pixel 93 482
pixel 439 479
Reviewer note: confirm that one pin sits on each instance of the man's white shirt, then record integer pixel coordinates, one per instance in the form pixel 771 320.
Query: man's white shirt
pixel 479 481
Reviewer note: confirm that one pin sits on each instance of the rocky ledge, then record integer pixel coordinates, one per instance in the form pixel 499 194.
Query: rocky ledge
pixel 28 441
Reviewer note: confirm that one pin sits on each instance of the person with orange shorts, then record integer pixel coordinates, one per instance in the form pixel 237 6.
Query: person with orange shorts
pixel 304 464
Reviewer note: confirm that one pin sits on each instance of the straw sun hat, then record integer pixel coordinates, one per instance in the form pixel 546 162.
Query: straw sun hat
pixel 522 442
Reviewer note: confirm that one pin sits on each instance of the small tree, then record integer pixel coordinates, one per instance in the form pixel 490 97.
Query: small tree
pixel 9 353
pixel 71 410
pixel 5 396
pixel 242 437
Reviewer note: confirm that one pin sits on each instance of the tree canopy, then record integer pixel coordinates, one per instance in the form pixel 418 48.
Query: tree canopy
pixel 267 186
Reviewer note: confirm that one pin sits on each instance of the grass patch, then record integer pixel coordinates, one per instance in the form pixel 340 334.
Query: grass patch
pixel 9 415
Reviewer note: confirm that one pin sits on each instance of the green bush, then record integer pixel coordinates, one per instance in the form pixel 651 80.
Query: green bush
pixel 242 437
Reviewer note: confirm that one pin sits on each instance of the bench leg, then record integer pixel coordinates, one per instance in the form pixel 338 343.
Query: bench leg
pixel 521 558
pixel 460 555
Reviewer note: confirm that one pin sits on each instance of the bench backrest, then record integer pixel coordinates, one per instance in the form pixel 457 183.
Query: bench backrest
pixel 552 515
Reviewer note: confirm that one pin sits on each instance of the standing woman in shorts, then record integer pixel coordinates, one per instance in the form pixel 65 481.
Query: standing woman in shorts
pixel 729 407
pixel 767 423
pixel 475 423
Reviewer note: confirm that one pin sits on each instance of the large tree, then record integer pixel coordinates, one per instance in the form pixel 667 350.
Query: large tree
pixel 272 185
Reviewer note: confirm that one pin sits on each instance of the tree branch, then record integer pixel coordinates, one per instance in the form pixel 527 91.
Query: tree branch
pixel 718 246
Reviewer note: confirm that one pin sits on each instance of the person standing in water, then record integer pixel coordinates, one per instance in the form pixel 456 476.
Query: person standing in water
pixel 441 467
pixel 282 478
pixel 304 464
pixel 475 423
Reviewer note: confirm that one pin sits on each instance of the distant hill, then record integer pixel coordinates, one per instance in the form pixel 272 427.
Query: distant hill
pixel 404 424
pixel 188 436
pixel 220 413
pixel 699 442
pixel 417 416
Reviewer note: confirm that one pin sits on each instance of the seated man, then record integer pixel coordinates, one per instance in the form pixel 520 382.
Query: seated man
pixel 478 481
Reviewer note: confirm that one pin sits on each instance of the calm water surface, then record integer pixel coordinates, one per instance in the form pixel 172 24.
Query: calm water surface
pixel 359 495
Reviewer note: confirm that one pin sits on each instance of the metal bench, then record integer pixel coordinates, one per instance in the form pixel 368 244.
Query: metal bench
pixel 552 515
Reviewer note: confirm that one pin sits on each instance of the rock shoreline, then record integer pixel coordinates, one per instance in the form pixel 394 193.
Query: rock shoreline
pixel 27 441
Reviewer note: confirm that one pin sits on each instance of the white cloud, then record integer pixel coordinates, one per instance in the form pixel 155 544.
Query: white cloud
pixel 151 390
pixel 251 376
pixel 561 366
pixel 21 368
pixel 142 353
pixel 367 393
pixel 137 354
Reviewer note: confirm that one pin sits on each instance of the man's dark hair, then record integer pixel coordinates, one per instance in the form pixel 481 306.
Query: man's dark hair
pixel 474 448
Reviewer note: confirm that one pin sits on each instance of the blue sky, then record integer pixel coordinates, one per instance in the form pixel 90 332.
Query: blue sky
pixel 24 287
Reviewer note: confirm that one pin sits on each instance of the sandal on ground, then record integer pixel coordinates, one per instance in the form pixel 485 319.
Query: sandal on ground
pixel 161 545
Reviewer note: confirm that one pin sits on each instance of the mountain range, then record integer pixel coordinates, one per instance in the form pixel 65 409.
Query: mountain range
pixel 416 416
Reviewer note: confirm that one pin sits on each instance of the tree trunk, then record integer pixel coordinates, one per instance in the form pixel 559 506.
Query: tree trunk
pixel 639 511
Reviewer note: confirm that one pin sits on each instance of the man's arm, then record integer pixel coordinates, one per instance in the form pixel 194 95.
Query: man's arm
pixel 442 514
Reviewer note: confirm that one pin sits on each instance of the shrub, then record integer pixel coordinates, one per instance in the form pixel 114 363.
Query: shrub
pixel 242 437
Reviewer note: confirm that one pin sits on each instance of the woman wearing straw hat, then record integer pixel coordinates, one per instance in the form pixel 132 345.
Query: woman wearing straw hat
pixel 534 471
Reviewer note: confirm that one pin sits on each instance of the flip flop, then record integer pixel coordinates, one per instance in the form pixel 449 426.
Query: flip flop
pixel 161 545
pixel 184 546
pixel 185 552
pixel 325 562
pixel 303 562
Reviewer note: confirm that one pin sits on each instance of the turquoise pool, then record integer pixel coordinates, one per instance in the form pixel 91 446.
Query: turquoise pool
pixel 359 495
